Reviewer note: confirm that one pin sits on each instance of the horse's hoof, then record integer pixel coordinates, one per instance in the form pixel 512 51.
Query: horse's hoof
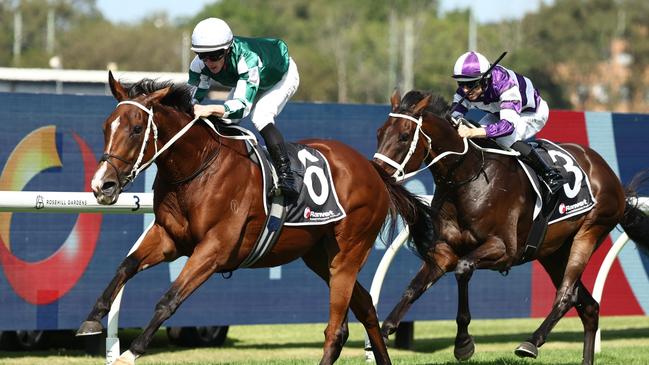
pixel 388 329
pixel 527 349
pixel 127 358
pixel 89 328
pixel 464 352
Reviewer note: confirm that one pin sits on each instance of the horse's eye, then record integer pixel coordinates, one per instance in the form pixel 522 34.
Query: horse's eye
pixel 137 129
pixel 404 137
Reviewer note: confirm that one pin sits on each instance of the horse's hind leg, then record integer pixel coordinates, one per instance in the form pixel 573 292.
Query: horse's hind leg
pixel 363 308
pixel 317 260
pixel 588 310
pixel 565 268
pixel 346 262
pixel 439 262
pixel 148 254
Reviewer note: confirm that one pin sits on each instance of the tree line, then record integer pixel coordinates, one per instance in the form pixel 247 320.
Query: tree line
pixel 352 52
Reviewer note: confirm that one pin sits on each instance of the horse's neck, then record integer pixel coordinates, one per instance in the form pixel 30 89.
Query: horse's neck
pixel 190 153
pixel 455 168
pixel 479 179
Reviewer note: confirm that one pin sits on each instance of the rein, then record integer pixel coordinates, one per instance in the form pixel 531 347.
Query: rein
pixel 400 173
pixel 138 166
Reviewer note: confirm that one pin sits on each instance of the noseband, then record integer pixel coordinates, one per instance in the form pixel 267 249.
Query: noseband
pixel 400 173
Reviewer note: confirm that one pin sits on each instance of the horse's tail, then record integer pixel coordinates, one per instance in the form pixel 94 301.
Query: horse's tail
pixel 413 210
pixel 635 221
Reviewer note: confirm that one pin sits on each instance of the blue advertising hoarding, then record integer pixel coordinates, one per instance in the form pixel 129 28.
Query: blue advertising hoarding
pixel 56 265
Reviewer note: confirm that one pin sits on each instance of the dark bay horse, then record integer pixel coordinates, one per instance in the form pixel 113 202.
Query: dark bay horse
pixel 482 209
pixel 213 212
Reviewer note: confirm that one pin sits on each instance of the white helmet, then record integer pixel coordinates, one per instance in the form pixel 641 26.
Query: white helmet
pixel 470 66
pixel 211 35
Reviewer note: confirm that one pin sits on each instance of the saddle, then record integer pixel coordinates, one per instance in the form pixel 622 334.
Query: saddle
pixel 574 199
pixel 317 203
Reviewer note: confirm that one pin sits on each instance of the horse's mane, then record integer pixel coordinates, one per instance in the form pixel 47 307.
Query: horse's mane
pixel 179 96
pixel 440 108
pixel 438 105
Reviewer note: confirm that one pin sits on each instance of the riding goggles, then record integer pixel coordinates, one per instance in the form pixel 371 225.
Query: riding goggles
pixel 211 56
pixel 469 84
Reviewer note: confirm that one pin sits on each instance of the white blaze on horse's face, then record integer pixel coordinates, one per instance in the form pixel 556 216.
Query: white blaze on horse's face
pixel 113 129
pixel 99 176
pixel 123 142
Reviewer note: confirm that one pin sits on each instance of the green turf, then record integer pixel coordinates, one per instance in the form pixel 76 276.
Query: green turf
pixel 625 341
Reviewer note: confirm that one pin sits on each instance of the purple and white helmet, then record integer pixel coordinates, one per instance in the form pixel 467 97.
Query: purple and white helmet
pixel 470 66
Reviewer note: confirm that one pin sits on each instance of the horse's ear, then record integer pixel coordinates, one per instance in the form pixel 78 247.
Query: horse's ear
pixel 116 88
pixel 395 99
pixel 157 96
pixel 421 105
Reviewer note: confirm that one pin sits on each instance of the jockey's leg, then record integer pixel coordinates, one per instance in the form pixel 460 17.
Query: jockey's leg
pixel 267 107
pixel 550 174
pixel 279 156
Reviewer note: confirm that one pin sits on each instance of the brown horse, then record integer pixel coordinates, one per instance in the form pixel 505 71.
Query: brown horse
pixel 482 209
pixel 211 209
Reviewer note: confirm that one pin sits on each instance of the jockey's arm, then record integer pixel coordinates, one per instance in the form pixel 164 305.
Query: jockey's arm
pixel 209 110
pixel 459 110
pixel 509 116
pixel 467 132
pixel 242 99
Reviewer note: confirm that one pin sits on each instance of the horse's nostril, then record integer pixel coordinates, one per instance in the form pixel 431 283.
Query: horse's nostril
pixel 108 186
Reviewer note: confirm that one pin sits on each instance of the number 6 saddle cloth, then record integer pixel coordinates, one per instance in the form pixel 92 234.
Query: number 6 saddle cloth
pixel 318 202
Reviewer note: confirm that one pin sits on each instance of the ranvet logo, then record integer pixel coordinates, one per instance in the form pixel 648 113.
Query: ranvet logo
pixel 45 281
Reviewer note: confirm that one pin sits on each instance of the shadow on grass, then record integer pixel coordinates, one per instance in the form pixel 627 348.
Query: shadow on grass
pixel 436 344
pixel 161 344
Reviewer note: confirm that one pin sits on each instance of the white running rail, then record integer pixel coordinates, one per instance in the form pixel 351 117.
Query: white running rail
pixel 140 203
pixel 78 202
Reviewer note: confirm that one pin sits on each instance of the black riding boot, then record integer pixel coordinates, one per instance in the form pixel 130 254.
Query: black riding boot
pixel 548 173
pixel 285 177
pixel 279 157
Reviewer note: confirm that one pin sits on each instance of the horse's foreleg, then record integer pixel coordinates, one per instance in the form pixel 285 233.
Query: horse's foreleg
pixel 199 267
pixel 491 254
pixel 464 345
pixel 440 261
pixel 148 254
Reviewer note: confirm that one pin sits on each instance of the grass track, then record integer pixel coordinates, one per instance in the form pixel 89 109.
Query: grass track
pixel 625 341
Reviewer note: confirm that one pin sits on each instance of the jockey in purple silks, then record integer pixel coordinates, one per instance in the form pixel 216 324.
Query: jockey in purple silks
pixel 515 110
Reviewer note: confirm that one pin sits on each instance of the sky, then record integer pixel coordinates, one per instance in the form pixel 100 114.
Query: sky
pixel 485 10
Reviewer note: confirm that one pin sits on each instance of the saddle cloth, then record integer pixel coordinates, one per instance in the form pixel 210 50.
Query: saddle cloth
pixel 576 197
pixel 318 202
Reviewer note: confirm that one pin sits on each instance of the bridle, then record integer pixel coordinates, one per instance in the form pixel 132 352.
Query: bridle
pixel 150 126
pixel 400 173
pixel 138 166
